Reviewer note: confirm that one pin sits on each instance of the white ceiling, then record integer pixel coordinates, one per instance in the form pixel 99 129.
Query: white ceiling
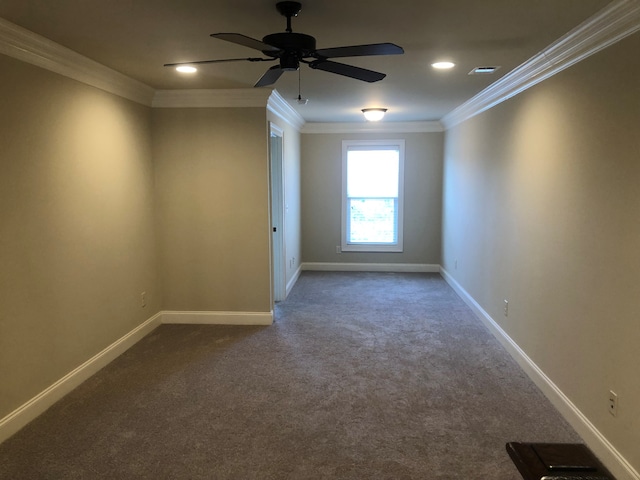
pixel 136 37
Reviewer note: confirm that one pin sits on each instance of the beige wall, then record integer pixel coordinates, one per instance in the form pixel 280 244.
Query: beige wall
pixel 76 226
pixel 541 207
pixel 322 197
pixel 212 187
pixel 291 172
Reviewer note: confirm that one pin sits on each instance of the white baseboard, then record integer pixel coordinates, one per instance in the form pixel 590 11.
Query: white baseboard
pixel 371 267
pixel 217 318
pixel 293 281
pixel 602 448
pixel 45 399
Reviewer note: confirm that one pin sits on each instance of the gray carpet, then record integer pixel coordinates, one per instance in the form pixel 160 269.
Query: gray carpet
pixel 363 376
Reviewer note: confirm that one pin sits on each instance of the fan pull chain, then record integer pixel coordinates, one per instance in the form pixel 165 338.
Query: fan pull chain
pixel 301 101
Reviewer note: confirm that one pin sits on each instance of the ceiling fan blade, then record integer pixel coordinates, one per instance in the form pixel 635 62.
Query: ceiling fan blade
pixel 348 70
pixel 361 50
pixel 220 61
pixel 245 41
pixel 270 77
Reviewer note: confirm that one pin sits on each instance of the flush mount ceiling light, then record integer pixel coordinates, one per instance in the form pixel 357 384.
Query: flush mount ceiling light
pixel 374 114
pixel 443 65
pixel 186 69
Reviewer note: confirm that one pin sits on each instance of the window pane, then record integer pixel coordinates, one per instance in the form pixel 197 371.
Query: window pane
pixel 372 173
pixel 372 220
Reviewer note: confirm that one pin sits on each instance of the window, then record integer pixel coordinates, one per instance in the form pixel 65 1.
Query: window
pixel 372 182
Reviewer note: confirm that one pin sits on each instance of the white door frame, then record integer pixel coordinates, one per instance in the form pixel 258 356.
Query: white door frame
pixel 276 164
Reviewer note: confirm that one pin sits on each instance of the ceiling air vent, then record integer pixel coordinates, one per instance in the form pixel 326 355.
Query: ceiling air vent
pixel 483 70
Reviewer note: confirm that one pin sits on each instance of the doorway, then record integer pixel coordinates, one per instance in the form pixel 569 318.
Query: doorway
pixel 276 160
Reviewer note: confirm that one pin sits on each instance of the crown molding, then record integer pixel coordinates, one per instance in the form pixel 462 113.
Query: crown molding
pixel 19 43
pixel 618 20
pixel 378 127
pixel 279 107
pixel 210 98
pixel 615 22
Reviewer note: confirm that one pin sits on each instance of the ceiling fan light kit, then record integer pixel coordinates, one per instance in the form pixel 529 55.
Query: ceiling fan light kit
pixel 374 114
pixel 291 48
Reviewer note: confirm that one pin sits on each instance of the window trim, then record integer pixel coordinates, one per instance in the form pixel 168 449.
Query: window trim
pixel 373 247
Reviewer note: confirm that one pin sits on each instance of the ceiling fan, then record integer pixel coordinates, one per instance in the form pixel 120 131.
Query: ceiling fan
pixel 290 49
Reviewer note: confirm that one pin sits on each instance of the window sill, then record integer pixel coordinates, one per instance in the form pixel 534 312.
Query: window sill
pixel 372 248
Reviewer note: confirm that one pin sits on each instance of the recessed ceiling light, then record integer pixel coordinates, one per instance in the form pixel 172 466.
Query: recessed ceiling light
pixel 443 65
pixel 186 69
pixel 483 70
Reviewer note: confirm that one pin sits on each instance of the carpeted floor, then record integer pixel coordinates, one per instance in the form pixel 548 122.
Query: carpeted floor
pixel 362 376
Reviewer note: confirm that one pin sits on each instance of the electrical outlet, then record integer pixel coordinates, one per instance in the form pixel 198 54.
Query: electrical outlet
pixel 143 299
pixel 613 403
pixel 338 249
pixel 506 308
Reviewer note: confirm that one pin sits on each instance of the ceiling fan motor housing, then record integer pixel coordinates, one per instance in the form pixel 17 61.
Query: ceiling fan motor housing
pixel 291 41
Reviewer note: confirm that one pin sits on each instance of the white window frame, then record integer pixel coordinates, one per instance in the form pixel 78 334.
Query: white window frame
pixel 372 247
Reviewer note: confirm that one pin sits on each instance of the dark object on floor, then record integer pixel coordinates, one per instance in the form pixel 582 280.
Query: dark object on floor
pixel 556 461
